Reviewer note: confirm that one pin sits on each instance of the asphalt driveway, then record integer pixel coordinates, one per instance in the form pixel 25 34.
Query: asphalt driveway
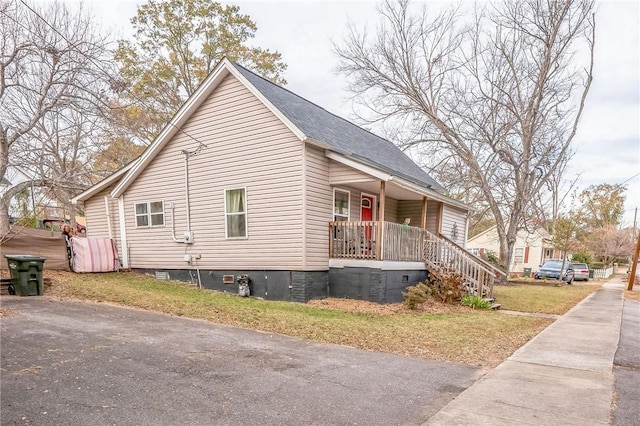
pixel 77 363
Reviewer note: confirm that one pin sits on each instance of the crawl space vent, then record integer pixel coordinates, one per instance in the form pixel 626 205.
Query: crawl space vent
pixel 160 275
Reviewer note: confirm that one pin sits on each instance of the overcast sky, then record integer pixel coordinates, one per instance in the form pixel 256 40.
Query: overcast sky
pixel 608 140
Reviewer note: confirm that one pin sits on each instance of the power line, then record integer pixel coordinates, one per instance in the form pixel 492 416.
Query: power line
pixel 201 144
pixel 630 178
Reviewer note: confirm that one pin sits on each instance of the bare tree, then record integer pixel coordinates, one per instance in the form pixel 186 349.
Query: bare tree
pixel 609 243
pixel 500 95
pixel 50 72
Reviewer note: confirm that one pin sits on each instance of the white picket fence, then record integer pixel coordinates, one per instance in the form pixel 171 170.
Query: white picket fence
pixel 602 273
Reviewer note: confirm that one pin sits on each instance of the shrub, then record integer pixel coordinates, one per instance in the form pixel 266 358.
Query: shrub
pixel 416 295
pixel 581 257
pixel 475 302
pixel 596 265
pixel 446 285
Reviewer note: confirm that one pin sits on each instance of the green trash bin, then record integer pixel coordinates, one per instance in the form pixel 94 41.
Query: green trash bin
pixel 591 273
pixel 26 274
pixel 527 272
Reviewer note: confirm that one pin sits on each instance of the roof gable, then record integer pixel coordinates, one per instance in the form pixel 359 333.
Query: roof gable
pixel 303 118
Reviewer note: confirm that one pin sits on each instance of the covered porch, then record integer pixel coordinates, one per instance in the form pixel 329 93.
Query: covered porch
pixel 367 231
pixel 360 241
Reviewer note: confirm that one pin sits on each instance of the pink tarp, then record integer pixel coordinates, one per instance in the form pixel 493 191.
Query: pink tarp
pixel 94 255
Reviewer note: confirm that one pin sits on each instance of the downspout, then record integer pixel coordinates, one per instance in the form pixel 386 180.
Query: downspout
pixel 123 233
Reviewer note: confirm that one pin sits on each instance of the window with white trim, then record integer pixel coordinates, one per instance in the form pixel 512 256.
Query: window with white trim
pixel 235 205
pixel 518 255
pixel 341 205
pixel 150 213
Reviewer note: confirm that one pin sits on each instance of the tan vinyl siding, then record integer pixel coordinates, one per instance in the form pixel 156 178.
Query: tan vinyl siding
pixel 96 215
pixel 319 209
pixel 341 174
pixel 391 210
pixel 412 209
pixel 246 147
pixel 433 213
pixel 452 217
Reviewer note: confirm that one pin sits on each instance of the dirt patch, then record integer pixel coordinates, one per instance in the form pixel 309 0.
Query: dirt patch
pixel 4 312
pixel 361 306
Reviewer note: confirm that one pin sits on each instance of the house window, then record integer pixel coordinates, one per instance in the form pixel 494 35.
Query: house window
pixel 340 205
pixel 518 255
pixel 235 202
pixel 149 214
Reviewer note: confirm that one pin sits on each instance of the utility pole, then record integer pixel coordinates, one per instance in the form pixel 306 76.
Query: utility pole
pixel 632 275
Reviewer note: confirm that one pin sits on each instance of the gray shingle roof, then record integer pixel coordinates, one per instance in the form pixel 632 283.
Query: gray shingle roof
pixel 343 136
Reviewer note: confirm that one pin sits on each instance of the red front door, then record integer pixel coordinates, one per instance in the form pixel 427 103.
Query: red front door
pixel 366 215
pixel 366 208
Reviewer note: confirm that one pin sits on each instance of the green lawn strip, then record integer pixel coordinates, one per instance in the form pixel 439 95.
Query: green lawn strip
pixel 545 299
pixel 482 338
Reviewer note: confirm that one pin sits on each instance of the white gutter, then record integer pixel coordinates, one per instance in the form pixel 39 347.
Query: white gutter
pixel 123 233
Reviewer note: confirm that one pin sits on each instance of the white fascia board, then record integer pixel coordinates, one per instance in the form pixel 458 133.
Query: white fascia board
pixel 378 174
pixel 431 194
pixel 174 125
pixel 93 190
pixel 292 127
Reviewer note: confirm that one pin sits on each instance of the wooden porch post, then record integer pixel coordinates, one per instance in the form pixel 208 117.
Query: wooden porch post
pixel 380 221
pixel 439 220
pixel 423 219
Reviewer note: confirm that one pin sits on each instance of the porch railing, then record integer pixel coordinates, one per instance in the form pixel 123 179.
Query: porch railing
pixel 358 240
pixel 353 240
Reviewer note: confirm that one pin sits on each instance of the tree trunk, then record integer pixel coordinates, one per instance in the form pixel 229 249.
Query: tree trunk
pixel 5 201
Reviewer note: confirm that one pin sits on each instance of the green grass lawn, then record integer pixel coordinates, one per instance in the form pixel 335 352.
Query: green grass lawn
pixel 542 298
pixel 483 338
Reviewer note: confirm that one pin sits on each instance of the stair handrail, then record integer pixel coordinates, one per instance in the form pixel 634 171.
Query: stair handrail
pixel 476 284
pixel 493 268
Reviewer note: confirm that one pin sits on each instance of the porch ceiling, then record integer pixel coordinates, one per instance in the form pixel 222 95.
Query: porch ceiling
pixel 392 190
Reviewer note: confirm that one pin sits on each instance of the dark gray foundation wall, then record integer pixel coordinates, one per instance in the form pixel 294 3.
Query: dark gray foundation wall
pixel 374 285
pixel 294 286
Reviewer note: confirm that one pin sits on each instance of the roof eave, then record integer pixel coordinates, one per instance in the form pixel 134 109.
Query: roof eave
pixel 104 183
pixel 388 177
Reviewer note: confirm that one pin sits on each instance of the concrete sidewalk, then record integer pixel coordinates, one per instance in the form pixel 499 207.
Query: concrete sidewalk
pixel 563 376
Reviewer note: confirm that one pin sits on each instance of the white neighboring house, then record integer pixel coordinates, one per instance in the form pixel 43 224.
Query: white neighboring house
pixel 530 250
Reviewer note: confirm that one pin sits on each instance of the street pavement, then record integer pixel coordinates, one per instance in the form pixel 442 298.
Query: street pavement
pixel 627 368
pixel 563 376
pixel 76 363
